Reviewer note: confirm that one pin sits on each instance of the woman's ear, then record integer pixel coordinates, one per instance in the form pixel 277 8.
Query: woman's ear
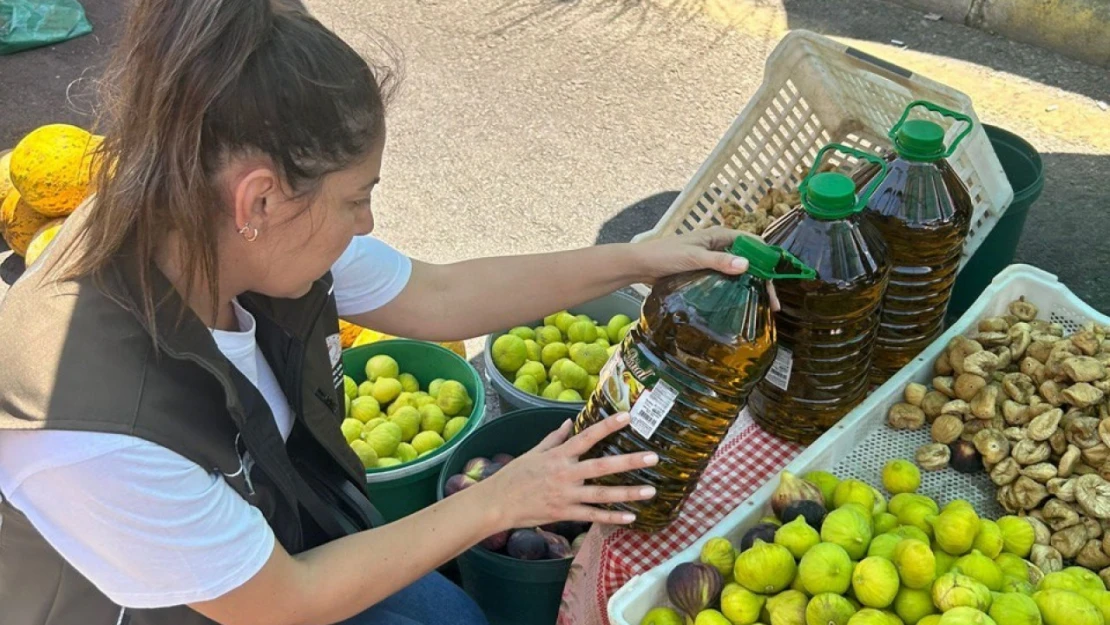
pixel 254 198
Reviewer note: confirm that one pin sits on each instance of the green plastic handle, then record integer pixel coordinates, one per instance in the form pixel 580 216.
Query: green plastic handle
pixel 936 108
pixel 804 271
pixel 867 156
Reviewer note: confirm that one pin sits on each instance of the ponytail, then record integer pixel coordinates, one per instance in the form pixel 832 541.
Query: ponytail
pixel 196 81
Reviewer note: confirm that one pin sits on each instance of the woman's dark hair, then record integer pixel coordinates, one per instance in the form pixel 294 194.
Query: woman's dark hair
pixel 194 82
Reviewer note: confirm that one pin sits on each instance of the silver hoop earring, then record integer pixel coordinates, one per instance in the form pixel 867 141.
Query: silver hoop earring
pixel 247 228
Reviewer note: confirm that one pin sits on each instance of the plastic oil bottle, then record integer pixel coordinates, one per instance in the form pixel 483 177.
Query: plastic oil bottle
pixel 923 210
pixel 684 373
pixel 826 326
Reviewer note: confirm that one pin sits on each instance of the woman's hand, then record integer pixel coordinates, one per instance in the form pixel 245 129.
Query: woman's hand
pixel 546 484
pixel 699 249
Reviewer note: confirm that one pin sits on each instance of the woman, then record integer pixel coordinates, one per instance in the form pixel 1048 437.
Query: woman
pixel 169 440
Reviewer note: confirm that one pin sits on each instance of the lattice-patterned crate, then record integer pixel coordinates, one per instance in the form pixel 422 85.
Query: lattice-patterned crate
pixel 816 91
pixel 861 443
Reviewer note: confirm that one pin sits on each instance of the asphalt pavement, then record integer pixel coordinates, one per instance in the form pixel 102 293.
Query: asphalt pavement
pixel 531 125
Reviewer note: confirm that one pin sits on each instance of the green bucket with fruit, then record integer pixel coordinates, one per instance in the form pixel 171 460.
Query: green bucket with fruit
pixel 516 577
pixel 414 402
pixel 582 337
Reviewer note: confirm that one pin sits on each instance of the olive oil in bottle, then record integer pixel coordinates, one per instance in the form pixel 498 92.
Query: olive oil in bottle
pixel 923 210
pixel 826 326
pixel 684 373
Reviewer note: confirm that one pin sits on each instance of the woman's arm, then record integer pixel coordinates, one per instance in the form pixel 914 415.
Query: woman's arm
pixel 475 297
pixel 345 577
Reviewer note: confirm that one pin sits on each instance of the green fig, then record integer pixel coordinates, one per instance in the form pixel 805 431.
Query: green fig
pixel 979 567
pixel 953 590
pixel 1011 608
pixel 884 522
pixel 797 536
pixel 766 568
pixel 719 554
pixel 913 605
pixel 662 616
pixel 875 582
pixel 1064 607
pixel 829 609
pixel 917 567
pixel 740 605
pixel 826 482
pixel 848 528
pixel 1012 566
pixel 826 568
pixel 883 545
pixel 711 617
pixel 955 529
pixel 966 616
pixel 989 539
pixel 788 608
pixel 1018 535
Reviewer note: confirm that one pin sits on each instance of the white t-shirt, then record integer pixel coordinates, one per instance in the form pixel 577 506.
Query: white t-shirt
pixel 144 524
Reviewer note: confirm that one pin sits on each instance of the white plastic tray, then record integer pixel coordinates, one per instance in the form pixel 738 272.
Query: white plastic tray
pixel 861 443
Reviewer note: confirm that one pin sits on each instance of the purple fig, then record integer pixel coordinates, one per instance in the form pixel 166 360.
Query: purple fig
pixel 474 467
pixel 527 545
pixel 693 587
pixel 496 542
pixel 503 459
pixel 458 482
pixel 576 546
pixel 489 469
pixel 792 488
pixel 557 546
pixel 813 512
pixel 762 531
pixel 567 529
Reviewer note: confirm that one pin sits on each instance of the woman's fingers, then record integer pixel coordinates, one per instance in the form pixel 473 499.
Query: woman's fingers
pixel 609 465
pixel 586 439
pixel 597 515
pixel 556 438
pixel 616 494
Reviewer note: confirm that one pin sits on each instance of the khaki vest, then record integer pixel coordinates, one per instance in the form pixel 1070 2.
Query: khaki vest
pixel 75 356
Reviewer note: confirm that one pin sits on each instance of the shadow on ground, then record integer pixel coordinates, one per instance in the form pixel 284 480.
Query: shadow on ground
pixel 1064 233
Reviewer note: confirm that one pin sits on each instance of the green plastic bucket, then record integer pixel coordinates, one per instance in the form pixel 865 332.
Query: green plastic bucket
pixel 1023 167
pixel 401 490
pixel 510 591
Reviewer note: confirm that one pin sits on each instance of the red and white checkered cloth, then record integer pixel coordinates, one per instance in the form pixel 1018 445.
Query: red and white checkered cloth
pixel 612 556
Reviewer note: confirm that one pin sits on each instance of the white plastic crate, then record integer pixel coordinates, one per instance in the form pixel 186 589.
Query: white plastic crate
pixel 816 91
pixel 861 443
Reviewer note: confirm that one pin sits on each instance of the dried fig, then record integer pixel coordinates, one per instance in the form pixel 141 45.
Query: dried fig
pixel 1005 498
pixel 932 404
pixel 990 339
pixel 933 456
pixel 1082 431
pixel 1040 348
pixel 1069 541
pixel 1041 472
pixel 915 393
pixel 1068 461
pixel 994 324
pixel 947 428
pixel 1037 408
pixel 1081 395
pixel 1014 434
pixel 1087 342
pixel 1091 556
pixel 1051 392
pixel 960 348
pixel 1005 472
pixel 1019 387
pixel 1028 494
pixel 985 403
pixel 1046 558
pixel 944 384
pixel 1005 356
pixel 957 407
pixel 973 427
pixel 967 385
pixel 1059 515
pixel 1096 456
pixel 981 363
pixel 942 366
pixel 1029 451
pixel 1032 367
pixel 1041 532
pixel 1020 335
pixel 1062 489
pixel 1105 575
pixel 1092 493
pixel 1084 369
pixel 1015 413
pixel 1094 527
pixel 904 416
pixel 993 446
pixel 1044 426
pixel 1104 431
pixel 1084 469
pixel 1058 443
pixel 1023 310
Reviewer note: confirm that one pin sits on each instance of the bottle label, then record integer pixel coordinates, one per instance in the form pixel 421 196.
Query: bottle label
pixel 779 374
pixel 631 385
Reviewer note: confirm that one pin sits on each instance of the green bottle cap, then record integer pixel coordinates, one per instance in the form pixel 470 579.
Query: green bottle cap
pixel 920 140
pixel 830 195
pixel 764 259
